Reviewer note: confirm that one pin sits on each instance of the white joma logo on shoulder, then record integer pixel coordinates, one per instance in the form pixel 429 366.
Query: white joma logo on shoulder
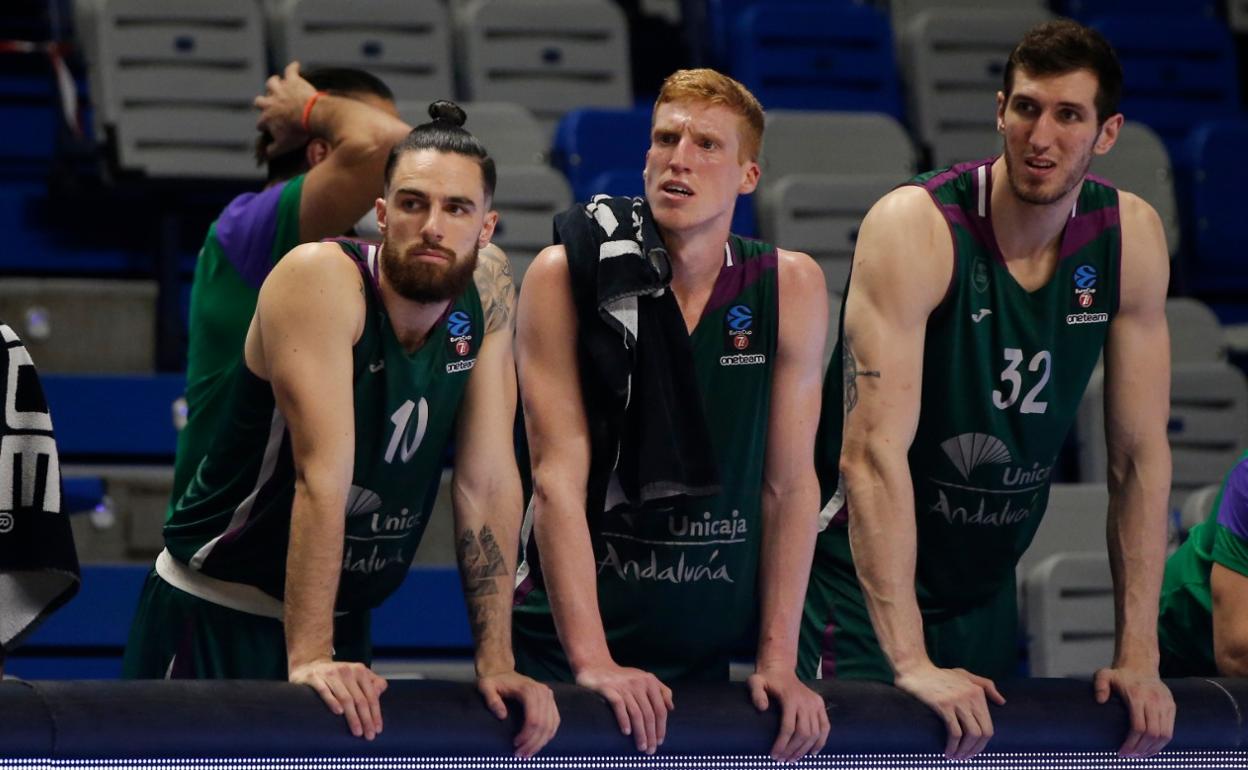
pixel 981 315
pixel 377 366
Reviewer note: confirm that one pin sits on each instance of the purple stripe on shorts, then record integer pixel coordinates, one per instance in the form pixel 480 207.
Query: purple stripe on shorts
pixel 1233 513
pixel 246 230
pixel 523 590
pixel 827 661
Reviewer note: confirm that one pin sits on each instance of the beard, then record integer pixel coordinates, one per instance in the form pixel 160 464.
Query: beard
pixel 427 281
pixel 1035 195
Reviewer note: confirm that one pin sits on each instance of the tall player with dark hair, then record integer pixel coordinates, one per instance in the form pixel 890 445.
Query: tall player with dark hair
pixel 979 303
pixel 360 365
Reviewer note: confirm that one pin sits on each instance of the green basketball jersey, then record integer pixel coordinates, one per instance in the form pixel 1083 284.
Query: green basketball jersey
pixel 677 588
pixel 252 233
pixel 233 522
pixel 1004 370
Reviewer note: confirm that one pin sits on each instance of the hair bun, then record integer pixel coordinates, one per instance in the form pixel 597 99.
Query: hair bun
pixel 444 111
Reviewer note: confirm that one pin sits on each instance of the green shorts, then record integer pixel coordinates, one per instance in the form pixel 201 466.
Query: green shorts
pixel 838 640
pixel 179 636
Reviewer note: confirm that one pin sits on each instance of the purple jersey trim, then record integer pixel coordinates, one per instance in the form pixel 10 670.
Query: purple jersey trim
pixel 734 279
pixel 1085 228
pixel 1233 513
pixel 246 230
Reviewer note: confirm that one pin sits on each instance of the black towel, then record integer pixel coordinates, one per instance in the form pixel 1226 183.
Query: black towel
pixel 38 564
pixel 646 420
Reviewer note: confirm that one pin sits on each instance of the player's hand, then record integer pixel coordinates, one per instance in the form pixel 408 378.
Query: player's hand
pixel 639 699
pixel 350 689
pixel 281 109
pixel 541 716
pixel 960 698
pixel 803 716
pixel 1149 703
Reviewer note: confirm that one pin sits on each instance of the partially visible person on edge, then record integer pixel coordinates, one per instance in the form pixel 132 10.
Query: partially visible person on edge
pixel 361 363
pixel 1203 626
pixel 670 376
pixel 324 138
pixel 38 562
pixel 979 303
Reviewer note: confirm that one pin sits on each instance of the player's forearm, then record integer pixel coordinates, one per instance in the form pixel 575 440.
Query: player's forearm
pixel 562 533
pixel 790 517
pixel 1139 489
pixel 313 566
pixel 361 132
pixel 486 537
pixel 883 539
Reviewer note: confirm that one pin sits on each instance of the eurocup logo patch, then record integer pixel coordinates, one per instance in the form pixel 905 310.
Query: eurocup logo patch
pixel 740 322
pixel 1085 285
pixel 459 330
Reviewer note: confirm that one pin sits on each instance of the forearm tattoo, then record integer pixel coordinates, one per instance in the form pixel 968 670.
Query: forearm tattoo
pixel 497 289
pixel 481 563
pixel 850 372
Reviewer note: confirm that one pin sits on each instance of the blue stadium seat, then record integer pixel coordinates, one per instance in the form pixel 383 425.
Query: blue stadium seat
pixel 722 15
pixel 118 418
pixel 825 56
pixel 1087 10
pixel 589 142
pixel 1178 73
pixel 1213 182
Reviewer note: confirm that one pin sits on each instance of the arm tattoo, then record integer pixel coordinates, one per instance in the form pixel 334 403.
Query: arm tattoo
pixel 481 562
pixel 495 285
pixel 850 374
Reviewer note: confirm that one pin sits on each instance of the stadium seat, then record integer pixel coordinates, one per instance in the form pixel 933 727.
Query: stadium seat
pixel 1069 611
pixel 526 200
pixel 1073 521
pixel 820 215
pixel 1213 181
pixel 509 131
pixel 1180 72
pixel 1139 163
pixel 551 56
pixel 1207 429
pixel 1086 10
pixel 953 62
pixel 173 83
pixel 84 326
pixel 406 43
pixel 114 418
pixel 1237 15
pixel 902 12
pixel 827 56
pixel 590 142
pixel 1195 333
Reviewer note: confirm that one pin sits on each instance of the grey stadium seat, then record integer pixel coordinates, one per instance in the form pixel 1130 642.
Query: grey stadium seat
pixel 406 43
pixel 60 322
pixel 1069 611
pixel 902 12
pixel 175 82
pixel 526 199
pixel 1140 164
pixel 1207 429
pixel 953 62
pixel 1073 521
pixel 835 143
pixel 820 215
pixel 1195 333
pixel 508 130
pixel 549 55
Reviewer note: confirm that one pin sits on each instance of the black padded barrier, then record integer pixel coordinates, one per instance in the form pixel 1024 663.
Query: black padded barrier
pixel 99 720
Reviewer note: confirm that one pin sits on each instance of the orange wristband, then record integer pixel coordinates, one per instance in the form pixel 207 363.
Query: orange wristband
pixel 307 110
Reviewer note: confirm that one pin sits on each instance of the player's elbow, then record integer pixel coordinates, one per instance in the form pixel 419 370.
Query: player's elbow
pixel 1231 657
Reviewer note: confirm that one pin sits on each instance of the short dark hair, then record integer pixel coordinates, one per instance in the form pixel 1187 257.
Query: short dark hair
pixel 1061 46
pixel 339 81
pixel 445 133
